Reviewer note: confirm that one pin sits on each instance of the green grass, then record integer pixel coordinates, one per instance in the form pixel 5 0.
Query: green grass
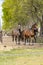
pixel 22 57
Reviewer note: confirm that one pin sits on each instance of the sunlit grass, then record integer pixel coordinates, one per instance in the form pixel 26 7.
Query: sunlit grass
pixel 27 57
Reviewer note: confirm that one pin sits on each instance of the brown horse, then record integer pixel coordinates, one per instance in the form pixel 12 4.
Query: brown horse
pixel 28 34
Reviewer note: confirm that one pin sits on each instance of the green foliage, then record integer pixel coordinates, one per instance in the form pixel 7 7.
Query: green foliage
pixel 15 11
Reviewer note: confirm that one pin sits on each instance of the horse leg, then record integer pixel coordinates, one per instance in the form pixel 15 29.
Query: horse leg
pixel 19 40
pixel 1 39
pixel 35 39
pixel 16 39
pixel 25 40
pixel 22 39
pixel 13 38
pixel 29 40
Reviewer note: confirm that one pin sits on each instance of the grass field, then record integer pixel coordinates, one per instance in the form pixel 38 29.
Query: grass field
pixel 22 57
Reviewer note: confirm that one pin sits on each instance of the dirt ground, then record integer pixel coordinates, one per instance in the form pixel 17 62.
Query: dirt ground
pixel 7 44
pixel 4 47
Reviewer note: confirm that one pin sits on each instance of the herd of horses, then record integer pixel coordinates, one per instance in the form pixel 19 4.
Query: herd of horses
pixel 27 35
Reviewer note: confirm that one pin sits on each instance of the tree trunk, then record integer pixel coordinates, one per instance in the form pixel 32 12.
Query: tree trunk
pixel 41 29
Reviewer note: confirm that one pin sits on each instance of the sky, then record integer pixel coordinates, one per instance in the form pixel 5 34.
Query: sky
pixel 1 1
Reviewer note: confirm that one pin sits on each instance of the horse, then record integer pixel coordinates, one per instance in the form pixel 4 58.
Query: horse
pixel 29 33
pixel 25 35
pixel 15 35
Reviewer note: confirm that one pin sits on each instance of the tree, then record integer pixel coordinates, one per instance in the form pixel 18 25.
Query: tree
pixel 15 11
pixel 38 12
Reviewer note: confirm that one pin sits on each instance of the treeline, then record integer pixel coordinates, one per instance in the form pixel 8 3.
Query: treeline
pixel 21 11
